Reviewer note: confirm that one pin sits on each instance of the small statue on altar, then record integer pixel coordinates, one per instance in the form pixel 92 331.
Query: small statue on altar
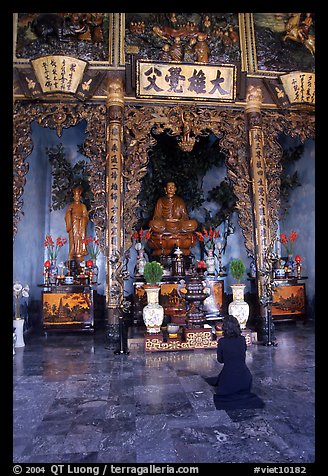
pixel 171 214
pixel 76 219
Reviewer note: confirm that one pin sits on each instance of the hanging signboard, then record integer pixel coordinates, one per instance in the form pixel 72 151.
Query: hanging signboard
pixel 186 81
pixel 58 73
pixel 299 87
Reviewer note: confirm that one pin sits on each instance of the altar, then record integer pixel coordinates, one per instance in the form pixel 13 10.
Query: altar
pixel 171 297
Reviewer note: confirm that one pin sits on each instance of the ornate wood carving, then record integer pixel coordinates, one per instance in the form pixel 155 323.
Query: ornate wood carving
pixel 293 124
pixel 22 148
pixel 59 116
pixel 137 124
pixel 115 103
pixel 229 125
pixel 299 124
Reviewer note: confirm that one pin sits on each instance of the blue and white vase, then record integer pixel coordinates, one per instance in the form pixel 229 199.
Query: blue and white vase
pixel 53 272
pixel 210 263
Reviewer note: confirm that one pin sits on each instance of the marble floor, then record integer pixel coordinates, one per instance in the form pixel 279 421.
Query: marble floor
pixel 76 401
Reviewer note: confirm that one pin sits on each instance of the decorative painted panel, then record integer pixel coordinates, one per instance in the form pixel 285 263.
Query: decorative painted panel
pixel 288 300
pixel 183 37
pixel 69 310
pixel 284 41
pixel 86 36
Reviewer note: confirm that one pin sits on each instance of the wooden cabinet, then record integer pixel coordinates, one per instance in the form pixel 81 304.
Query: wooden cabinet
pixel 68 307
pixel 289 299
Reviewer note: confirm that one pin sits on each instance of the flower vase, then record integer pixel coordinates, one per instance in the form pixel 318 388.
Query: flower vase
pixel 239 308
pixel 210 263
pixel 94 273
pixel 289 266
pixel 19 331
pixel 153 312
pixel 53 272
pixel 141 261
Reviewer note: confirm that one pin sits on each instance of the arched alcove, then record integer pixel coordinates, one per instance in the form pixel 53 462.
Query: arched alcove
pixel 36 128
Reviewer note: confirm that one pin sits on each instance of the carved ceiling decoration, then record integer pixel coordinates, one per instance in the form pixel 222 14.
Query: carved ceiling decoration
pixel 292 123
pixel 180 36
pixel 59 116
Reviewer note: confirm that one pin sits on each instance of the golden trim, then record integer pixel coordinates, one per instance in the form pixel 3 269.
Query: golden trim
pixel 242 37
pixel 15 20
pixel 121 35
pixel 250 42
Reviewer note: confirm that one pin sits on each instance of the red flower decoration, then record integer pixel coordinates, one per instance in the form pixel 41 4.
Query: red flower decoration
pixel 53 249
pixel 208 236
pixel 47 264
pixel 298 259
pixel 92 246
pixel 201 264
pixel 141 236
pixel 89 263
pixel 288 242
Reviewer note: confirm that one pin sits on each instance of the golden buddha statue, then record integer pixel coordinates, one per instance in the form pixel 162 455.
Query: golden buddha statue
pixel 171 224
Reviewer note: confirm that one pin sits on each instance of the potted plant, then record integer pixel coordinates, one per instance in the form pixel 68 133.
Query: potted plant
pixel 238 307
pixel 237 269
pixel 153 273
pixel 153 312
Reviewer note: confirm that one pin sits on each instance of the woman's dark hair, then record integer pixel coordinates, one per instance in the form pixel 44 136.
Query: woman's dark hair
pixel 231 327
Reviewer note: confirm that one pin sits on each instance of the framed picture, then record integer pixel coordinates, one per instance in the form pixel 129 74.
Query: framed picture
pixel 288 301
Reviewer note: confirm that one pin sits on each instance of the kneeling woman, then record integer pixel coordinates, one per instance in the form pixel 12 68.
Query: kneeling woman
pixel 234 383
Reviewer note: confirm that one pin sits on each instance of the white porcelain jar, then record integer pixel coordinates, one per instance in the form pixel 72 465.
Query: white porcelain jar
pixel 153 312
pixel 239 308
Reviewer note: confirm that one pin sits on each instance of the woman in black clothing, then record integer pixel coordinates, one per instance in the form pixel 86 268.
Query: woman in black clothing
pixel 233 385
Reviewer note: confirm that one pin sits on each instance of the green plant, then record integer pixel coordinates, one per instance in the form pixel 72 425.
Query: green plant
pixel 66 176
pixel 153 272
pixel 237 269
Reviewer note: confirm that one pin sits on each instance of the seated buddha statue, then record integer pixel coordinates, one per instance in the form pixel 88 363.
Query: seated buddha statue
pixel 171 224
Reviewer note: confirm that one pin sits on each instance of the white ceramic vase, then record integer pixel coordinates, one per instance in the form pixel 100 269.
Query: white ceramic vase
pixel 153 312
pixel 239 308
pixel 210 263
pixel 19 326
pixel 141 261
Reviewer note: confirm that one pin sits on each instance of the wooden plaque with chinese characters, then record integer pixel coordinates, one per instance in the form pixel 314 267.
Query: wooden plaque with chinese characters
pixel 186 81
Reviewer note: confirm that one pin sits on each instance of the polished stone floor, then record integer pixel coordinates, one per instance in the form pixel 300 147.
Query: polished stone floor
pixel 75 401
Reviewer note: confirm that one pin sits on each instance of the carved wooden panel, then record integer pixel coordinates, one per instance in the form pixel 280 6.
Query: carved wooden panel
pixel 59 116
